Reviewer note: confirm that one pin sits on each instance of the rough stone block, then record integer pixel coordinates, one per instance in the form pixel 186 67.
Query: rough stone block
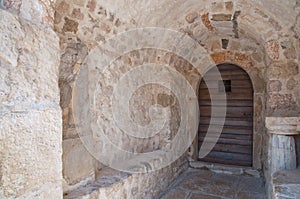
pixel 221 17
pixel 206 22
pixel 190 18
pixel 218 57
pixel 217 6
pixel 275 86
pixel 30 116
pixel 29 65
pixel 41 11
pixel 70 25
pixel 30 154
pixel 229 5
pixel 272 49
pixel 78 163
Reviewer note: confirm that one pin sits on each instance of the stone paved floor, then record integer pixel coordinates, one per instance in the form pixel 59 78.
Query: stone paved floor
pixel 205 184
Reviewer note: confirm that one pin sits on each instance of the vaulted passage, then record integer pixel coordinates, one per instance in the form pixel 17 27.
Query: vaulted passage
pixel 100 99
pixel 235 143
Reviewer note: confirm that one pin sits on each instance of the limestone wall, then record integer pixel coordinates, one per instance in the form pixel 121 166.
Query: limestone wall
pixel 40 71
pixel 252 34
pixel 30 116
pixel 81 27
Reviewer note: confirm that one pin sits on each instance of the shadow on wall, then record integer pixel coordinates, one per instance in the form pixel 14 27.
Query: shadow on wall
pixel 297 141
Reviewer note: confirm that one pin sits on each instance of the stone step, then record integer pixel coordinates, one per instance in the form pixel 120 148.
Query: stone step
pixel 226 169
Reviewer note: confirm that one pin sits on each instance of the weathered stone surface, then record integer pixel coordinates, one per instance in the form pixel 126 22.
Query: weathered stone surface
pixel 217 6
pixel 190 18
pixel 251 185
pixel 283 70
pixel 290 53
pixel 76 13
pixel 206 22
pixel 207 184
pixel 41 11
pixel 78 162
pixel 275 86
pixel 229 5
pixel 165 100
pixel 91 23
pixel 282 153
pixel 283 125
pixel 22 68
pixel 216 45
pixel 29 56
pixel 31 152
pixel 70 25
pixel 203 196
pixel 30 117
pixel 175 194
pixel 250 195
pixel 286 184
pixel 257 57
pixel 117 184
pixel 281 101
pixel 218 57
pixel 221 17
pixel 91 5
pixel 291 84
pixel 272 49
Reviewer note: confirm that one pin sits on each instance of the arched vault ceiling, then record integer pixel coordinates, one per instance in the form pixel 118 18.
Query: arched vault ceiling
pixel 169 13
pixel 284 11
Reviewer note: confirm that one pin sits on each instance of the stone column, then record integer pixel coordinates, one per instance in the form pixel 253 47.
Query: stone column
pixel 30 115
pixel 282 150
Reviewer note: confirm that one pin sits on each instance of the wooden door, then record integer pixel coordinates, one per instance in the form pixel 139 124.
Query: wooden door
pixel 235 143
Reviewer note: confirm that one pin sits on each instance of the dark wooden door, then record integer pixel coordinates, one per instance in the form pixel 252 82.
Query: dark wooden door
pixel 235 143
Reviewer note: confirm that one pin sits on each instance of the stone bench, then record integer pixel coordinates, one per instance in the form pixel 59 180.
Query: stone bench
pixel 115 184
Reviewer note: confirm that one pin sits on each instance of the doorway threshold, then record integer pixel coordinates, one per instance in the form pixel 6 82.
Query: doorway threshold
pixel 226 169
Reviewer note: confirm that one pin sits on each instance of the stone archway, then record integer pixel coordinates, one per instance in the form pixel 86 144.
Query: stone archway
pixel 256 72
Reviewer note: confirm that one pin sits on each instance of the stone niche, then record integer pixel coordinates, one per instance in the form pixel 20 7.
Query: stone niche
pixel 284 133
pixel 283 157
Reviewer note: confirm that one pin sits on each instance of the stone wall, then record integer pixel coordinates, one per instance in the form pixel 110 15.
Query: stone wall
pixel 115 184
pixel 247 33
pixel 189 38
pixel 38 12
pixel 81 27
pixel 283 70
pixel 30 116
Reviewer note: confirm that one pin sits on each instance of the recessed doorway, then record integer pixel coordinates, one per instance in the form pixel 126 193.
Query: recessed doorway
pixel 235 144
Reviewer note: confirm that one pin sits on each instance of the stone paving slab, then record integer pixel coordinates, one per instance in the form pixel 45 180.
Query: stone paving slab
pixel 206 184
pixel 286 184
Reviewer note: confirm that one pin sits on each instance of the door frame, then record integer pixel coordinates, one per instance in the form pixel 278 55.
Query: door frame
pixel 259 107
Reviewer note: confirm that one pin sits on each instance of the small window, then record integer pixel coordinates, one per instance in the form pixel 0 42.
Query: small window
pixel 226 84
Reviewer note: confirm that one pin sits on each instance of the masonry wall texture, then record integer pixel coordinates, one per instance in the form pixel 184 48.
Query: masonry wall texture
pixel 260 41
pixel 30 116
pixel 44 46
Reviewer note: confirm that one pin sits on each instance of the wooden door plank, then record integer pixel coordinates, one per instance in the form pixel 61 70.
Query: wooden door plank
pixel 227 141
pixel 230 148
pixel 239 130
pixel 229 103
pixel 205 111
